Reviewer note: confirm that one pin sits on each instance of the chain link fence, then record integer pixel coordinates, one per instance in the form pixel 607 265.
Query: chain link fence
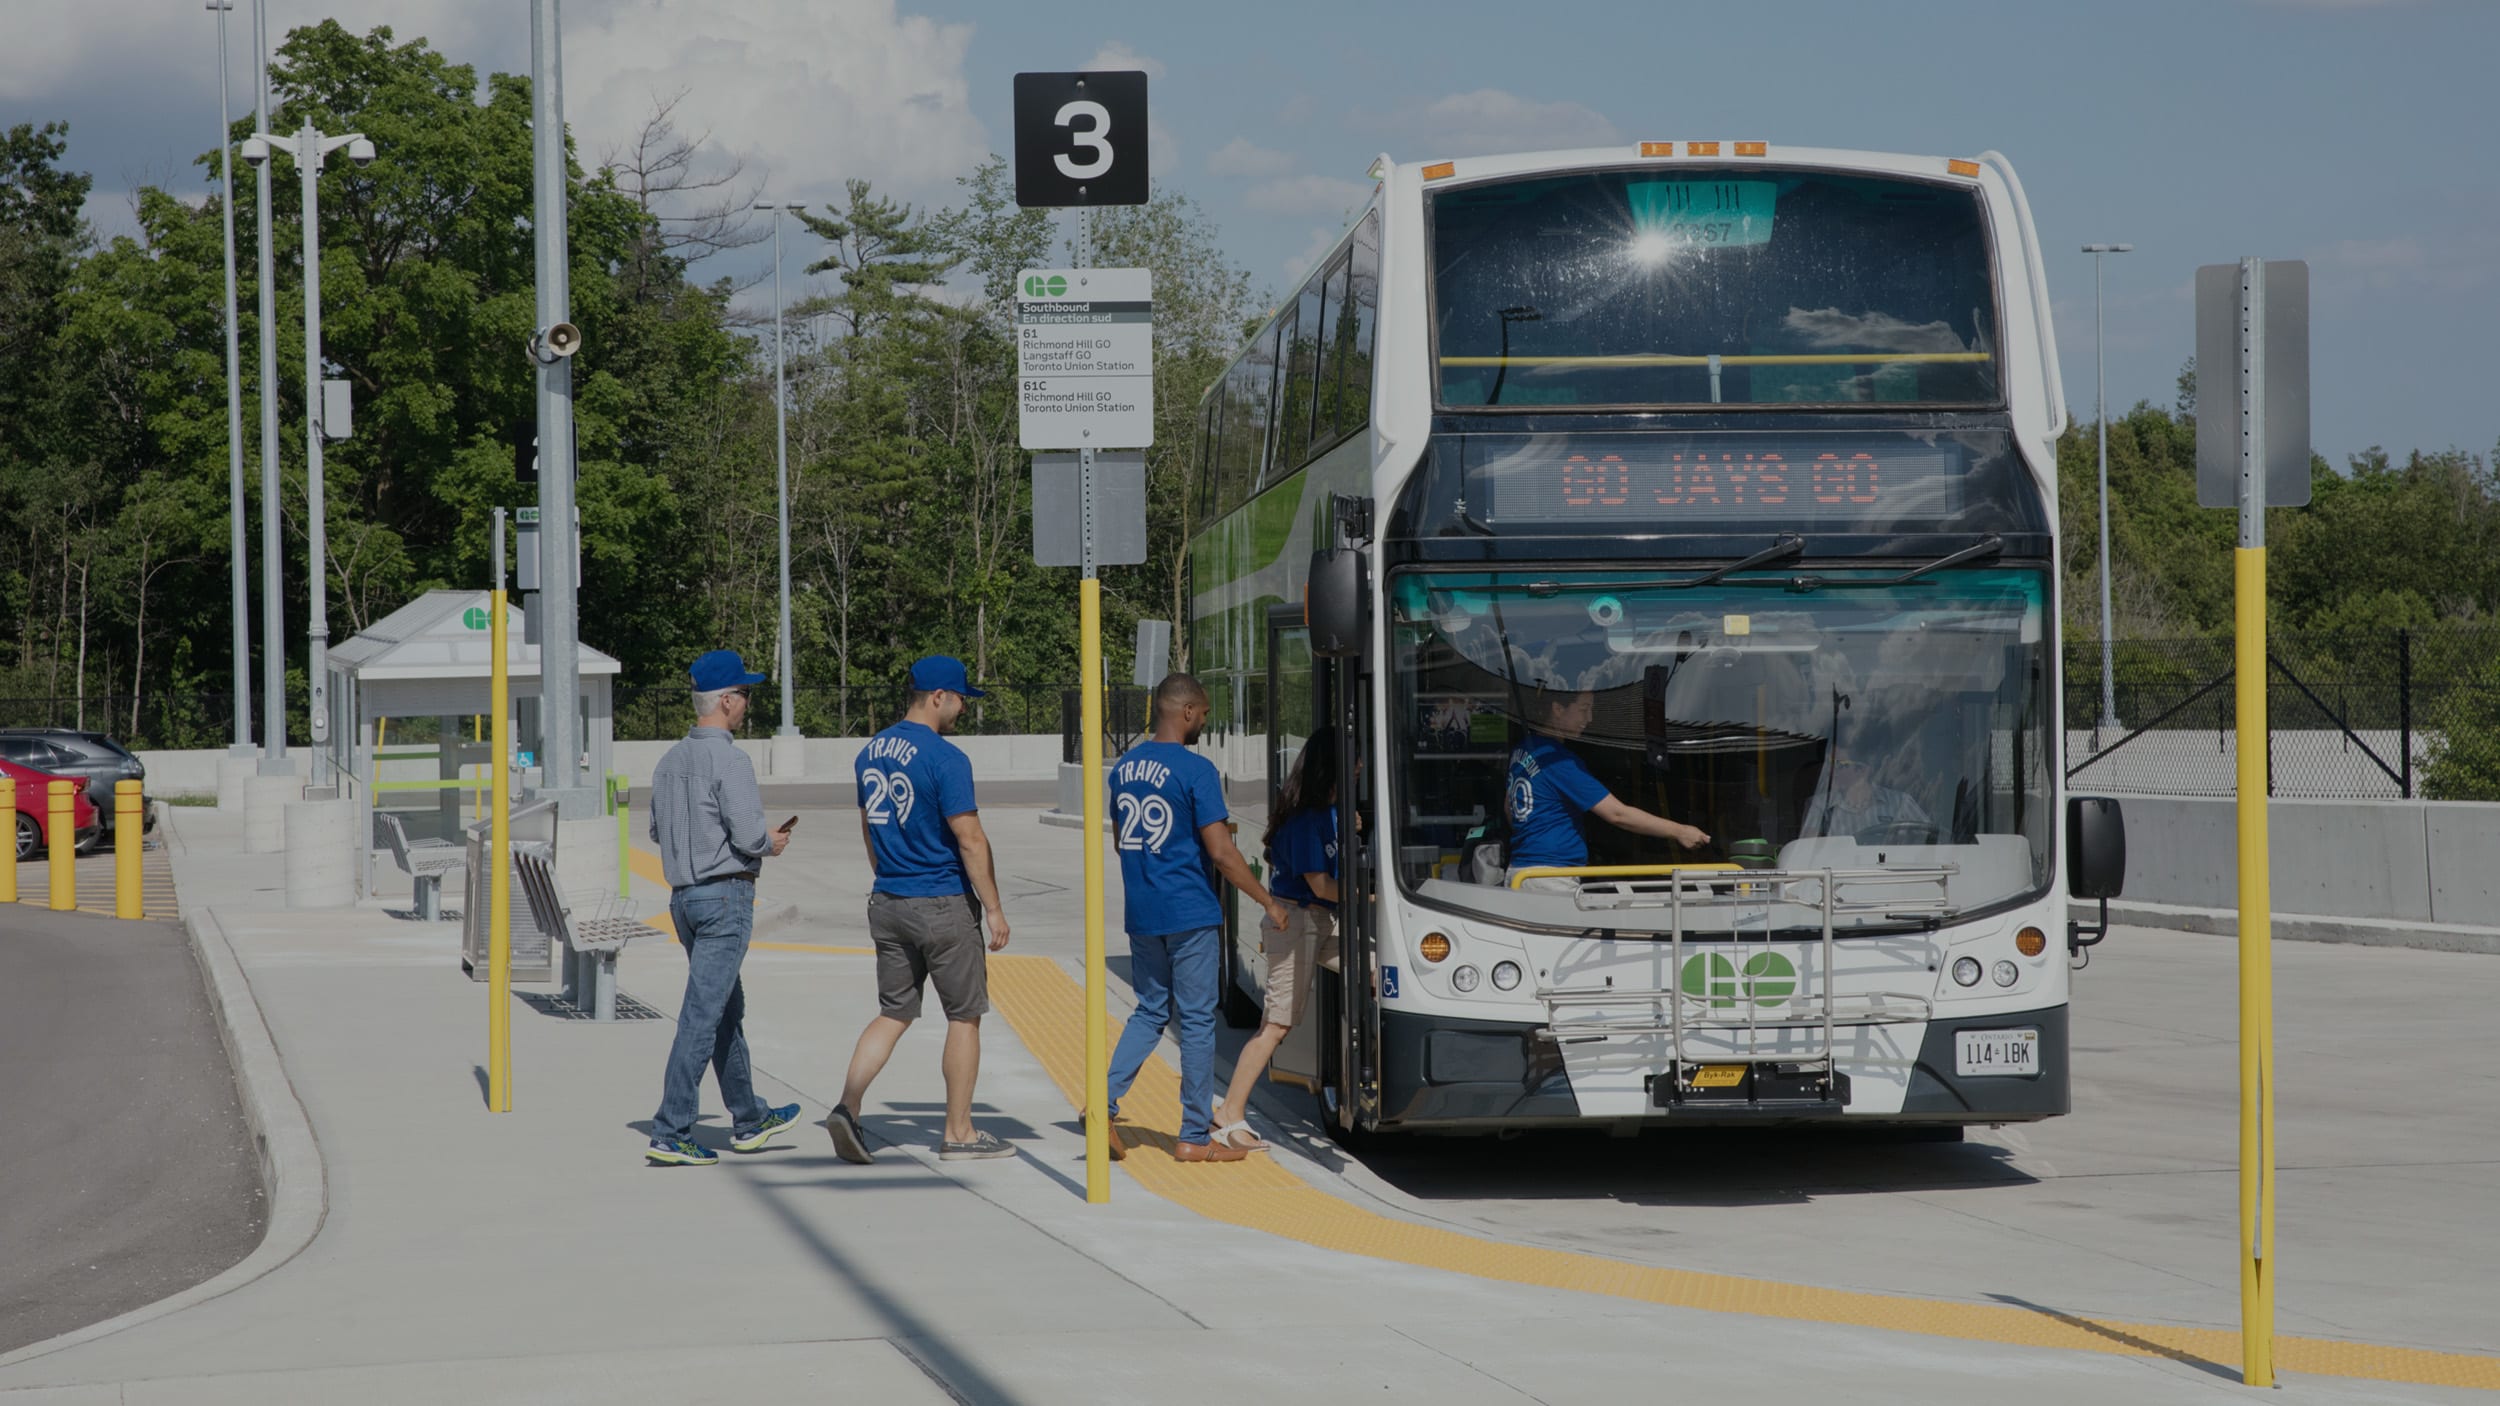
pixel 2381 715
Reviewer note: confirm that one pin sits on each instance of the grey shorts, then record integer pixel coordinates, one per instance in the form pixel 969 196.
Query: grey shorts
pixel 936 940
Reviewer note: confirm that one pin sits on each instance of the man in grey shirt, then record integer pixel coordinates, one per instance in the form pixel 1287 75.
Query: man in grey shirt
pixel 707 817
pixel 1855 802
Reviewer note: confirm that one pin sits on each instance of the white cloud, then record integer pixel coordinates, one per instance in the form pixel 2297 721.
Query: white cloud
pixel 1242 157
pixel 1117 57
pixel 1491 121
pixel 1294 270
pixel 1163 150
pixel 1306 195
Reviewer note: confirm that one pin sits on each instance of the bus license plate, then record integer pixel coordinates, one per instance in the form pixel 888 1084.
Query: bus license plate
pixel 1982 1052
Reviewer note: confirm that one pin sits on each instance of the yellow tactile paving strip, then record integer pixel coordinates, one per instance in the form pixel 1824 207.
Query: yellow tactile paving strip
pixel 95 884
pixel 1046 1008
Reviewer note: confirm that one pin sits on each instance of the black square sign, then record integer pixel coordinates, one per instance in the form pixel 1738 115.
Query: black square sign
pixel 1080 139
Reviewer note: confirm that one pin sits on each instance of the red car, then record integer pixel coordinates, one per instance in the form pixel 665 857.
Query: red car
pixel 34 801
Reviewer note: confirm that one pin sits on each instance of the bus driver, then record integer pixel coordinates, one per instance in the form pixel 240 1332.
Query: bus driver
pixel 1549 790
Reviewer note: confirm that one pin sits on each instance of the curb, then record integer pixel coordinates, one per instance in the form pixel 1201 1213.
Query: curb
pixel 293 1181
pixel 2302 927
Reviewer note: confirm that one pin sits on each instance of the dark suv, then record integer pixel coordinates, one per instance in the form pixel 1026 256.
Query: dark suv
pixel 66 751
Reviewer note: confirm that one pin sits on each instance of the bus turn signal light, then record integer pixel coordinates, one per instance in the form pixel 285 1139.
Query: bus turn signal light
pixel 2031 942
pixel 1435 947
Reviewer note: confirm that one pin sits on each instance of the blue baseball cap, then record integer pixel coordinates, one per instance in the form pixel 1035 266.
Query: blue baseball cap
pixel 943 671
pixel 722 668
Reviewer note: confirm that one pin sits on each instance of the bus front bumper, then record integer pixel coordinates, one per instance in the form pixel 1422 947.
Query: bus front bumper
pixel 1450 1074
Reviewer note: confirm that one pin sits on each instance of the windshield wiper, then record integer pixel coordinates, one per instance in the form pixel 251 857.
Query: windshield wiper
pixel 1787 545
pixel 1981 550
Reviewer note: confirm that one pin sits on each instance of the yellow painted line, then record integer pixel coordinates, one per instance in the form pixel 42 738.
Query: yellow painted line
pixel 1046 1009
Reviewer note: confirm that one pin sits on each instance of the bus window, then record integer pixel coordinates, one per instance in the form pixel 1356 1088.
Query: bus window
pixel 1352 361
pixel 1329 397
pixel 1289 433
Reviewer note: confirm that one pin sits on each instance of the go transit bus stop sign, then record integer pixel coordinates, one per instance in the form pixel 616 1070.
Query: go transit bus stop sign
pixel 1085 358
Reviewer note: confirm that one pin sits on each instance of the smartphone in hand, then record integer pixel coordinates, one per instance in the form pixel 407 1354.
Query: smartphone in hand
pixel 790 824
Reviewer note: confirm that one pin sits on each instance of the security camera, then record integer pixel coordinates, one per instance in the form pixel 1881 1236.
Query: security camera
pixel 255 151
pixel 360 151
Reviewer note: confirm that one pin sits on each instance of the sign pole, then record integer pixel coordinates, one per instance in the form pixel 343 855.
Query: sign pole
pixel 1089 663
pixel 499 848
pixel 2256 953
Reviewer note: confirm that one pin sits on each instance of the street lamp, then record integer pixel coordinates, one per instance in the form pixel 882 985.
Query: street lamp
pixel 781 462
pixel 310 149
pixel 2100 376
pixel 273 760
pixel 241 569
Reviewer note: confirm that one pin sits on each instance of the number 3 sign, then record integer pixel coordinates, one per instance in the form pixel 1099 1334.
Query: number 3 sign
pixel 1080 139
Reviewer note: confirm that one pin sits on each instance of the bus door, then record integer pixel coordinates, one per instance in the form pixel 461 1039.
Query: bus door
pixel 1357 988
pixel 1297 686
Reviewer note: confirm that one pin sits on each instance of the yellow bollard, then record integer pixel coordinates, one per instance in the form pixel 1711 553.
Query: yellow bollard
pixel 129 825
pixel 60 834
pixel 8 806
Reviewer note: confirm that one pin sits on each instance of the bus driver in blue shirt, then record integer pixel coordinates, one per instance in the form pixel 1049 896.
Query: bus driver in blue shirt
pixel 1549 790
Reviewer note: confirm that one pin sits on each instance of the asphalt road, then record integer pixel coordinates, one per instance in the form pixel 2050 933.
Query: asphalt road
pixel 126 1172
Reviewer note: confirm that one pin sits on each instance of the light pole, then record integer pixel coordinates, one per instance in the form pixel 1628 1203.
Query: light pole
pixel 2100 377
pixel 241 572
pixel 781 466
pixel 273 761
pixel 310 150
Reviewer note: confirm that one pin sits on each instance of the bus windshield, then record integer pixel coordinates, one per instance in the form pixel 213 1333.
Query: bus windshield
pixel 1748 286
pixel 1847 725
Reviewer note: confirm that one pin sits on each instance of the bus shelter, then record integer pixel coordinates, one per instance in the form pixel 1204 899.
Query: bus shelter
pixel 410 724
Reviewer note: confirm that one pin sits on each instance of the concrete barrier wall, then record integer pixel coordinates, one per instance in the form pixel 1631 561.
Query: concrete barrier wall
pixel 2389 861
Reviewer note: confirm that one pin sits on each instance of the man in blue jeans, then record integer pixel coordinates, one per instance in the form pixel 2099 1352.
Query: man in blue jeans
pixel 1167 816
pixel 707 817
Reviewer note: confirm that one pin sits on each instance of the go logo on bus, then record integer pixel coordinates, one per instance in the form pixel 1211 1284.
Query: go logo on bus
pixel 1039 286
pixel 1768 979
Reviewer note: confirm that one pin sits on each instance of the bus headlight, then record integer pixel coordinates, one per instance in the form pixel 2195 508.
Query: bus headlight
pixel 1966 971
pixel 1506 976
pixel 1465 978
pixel 2007 973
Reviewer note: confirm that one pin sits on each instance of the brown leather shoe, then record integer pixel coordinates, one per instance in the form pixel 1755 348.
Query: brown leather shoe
pixel 1208 1152
pixel 1111 1130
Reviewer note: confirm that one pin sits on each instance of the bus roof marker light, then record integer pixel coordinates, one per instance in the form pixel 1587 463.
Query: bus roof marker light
pixel 1657 148
pixel 1439 170
pixel 1701 148
pixel 1962 168
pixel 1753 149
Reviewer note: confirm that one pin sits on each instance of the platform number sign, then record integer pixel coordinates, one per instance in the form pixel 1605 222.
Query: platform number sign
pixel 1080 139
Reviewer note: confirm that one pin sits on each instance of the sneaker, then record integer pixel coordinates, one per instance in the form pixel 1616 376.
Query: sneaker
pixel 847 1141
pixel 982 1146
pixel 774 1121
pixel 678 1152
pixel 1208 1152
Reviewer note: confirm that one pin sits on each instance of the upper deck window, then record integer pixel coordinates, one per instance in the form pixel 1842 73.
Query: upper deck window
pixel 1691 286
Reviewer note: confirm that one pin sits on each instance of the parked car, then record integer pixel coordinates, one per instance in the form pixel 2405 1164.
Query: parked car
pixel 34 800
pixel 67 751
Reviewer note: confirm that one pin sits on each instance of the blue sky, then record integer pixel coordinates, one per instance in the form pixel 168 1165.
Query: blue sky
pixel 2357 134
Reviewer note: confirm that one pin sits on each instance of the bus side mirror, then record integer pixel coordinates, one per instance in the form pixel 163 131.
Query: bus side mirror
pixel 1332 602
pixel 2096 847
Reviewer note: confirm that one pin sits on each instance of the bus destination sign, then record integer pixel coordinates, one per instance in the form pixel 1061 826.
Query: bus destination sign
pixel 1629 482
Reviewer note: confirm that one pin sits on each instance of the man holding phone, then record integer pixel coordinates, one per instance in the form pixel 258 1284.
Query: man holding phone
pixel 935 885
pixel 707 818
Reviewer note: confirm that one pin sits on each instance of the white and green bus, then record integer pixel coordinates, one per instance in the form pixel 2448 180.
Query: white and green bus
pixel 1744 453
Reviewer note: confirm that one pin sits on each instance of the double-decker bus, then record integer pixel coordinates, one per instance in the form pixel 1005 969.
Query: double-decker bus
pixel 1727 468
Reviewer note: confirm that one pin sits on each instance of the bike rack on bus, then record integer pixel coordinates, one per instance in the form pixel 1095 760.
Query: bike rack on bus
pixel 1748 896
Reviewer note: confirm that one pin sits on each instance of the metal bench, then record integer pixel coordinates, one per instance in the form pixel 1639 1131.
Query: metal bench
pixel 591 944
pixel 425 862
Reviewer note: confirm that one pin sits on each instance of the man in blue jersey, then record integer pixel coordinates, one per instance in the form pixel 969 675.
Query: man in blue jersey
pixel 1550 789
pixel 1167 817
pixel 935 885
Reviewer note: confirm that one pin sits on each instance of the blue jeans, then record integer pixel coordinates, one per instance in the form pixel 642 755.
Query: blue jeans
pixel 715 921
pixel 1174 976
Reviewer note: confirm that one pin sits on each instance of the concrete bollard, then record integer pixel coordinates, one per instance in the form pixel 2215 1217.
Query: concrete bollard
pixel 60 833
pixel 265 799
pixel 320 854
pixel 234 776
pixel 785 757
pixel 129 826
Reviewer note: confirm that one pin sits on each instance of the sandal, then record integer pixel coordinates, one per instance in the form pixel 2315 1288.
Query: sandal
pixel 1239 1134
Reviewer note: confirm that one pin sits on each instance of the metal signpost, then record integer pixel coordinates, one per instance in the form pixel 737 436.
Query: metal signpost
pixel 2252 451
pixel 1085 364
pixel 499 845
